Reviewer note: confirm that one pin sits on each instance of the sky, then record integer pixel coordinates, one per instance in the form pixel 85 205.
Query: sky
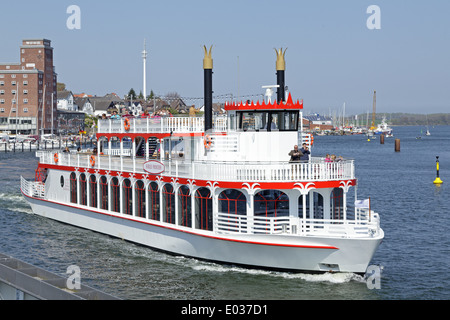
pixel 332 56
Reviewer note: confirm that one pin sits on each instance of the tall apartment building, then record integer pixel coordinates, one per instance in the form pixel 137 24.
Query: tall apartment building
pixel 28 90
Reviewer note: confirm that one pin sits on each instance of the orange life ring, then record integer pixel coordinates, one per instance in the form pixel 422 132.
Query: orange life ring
pixel 92 160
pixel 126 124
pixel 312 139
pixel 55 157
pixel 207 141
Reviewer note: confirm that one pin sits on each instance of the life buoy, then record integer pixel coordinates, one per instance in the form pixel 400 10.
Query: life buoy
pixel 127 124
pixel 55 157
pixel 311 138
pixel 207 141
pixel 92 160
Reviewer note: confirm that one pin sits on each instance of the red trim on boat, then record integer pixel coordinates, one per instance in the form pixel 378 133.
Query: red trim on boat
pixel 190 232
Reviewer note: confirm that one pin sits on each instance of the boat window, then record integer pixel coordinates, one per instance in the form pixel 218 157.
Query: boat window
pixel 184 207
pixel 104 193
pixel 168 203
pixel 61 180
pixel 232 201
pixel 337 205
pixel 203 209
pixel 73 187
pixel 271 203
pixel 268 120
pixel 251 121
pixel 140 199
pixel 83 189
pixel 153 194
pixel 93 191
pixel 127 197
pixel 115 195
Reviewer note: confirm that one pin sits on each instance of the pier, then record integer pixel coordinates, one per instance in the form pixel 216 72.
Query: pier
pixel 23 281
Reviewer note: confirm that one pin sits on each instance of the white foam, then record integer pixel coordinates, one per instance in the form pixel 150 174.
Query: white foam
pixel 342 277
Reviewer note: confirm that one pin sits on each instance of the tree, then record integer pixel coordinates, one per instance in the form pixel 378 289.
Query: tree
pixel 60 86
pixel 131 94
pixel 151 95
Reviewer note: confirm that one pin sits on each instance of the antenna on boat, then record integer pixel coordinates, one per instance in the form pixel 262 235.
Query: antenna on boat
pixel 269 92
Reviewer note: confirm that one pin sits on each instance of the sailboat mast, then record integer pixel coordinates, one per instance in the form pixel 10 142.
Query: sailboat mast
pixel 374 109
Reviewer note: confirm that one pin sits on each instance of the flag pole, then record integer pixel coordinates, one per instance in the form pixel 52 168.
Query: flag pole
pixel 369 210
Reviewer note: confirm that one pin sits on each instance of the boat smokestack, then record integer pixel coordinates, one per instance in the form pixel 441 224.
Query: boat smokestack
pixel 207 71
pixel 281 67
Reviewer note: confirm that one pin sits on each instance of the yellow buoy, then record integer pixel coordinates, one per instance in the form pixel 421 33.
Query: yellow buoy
pixel 437 180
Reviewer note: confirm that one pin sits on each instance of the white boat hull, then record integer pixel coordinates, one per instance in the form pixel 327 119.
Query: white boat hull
pixel 280 252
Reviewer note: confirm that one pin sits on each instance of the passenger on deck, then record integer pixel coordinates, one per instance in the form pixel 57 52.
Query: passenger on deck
pixel 305 152
pixel 295 154
pixel 145 114
pixel 115 115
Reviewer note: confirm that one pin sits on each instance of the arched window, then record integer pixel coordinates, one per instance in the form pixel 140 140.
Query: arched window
pixel 316 210
pixel 93 191
pixel 153 196
pixel 232 201
pixel 271 203
pixel 83 189
pixel 140 198
pixel 104 193
pixel 168 203
pixel 73 187
pixel 203 209
pixel 127 197
pixel 184 207
pixel 337 204
pixel 115 195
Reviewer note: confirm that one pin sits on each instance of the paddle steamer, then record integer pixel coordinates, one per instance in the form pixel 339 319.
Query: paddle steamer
pixel 217 188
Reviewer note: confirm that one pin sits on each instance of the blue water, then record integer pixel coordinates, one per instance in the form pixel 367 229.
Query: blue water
pixel 414 214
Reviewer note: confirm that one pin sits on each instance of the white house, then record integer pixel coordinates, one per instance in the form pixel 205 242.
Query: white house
pixel 65 101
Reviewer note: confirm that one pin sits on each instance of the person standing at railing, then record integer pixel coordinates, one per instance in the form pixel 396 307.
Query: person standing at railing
pixel 305 152
pixel 115 116
pixel 145 114
pixel 295 154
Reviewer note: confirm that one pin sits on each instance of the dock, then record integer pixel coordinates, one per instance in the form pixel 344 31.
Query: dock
pixel 22 281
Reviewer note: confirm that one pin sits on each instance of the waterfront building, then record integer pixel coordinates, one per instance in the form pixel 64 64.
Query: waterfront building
pixel 28 96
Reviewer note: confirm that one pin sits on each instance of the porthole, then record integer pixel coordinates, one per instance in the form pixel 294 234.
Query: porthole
pixel 62 181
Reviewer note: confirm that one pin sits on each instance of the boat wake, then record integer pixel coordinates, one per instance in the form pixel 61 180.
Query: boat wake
pixel 336 278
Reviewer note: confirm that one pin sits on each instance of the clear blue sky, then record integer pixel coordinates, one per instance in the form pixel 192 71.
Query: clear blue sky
pixel 332 57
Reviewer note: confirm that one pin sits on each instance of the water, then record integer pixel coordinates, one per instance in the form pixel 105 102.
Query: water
pixel 414 215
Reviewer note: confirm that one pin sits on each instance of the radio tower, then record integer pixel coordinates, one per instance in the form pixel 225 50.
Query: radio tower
pixel 144 84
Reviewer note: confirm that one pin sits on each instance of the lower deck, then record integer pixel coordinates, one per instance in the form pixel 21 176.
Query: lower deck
pixel 219 208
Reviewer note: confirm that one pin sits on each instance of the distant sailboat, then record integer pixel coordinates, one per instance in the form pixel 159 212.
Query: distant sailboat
pixel 427 133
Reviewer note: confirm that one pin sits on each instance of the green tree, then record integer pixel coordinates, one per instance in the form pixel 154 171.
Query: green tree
pixel 131 94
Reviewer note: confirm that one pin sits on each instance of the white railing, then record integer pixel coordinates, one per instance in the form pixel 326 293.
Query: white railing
pixel 32 189
pixel 361 226
pixel 314 170
pixel 160 125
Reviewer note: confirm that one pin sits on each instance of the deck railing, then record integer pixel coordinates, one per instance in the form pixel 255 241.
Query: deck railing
pixel 160 125
pixel 314 170
pixel 360 225
pixel 32 189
